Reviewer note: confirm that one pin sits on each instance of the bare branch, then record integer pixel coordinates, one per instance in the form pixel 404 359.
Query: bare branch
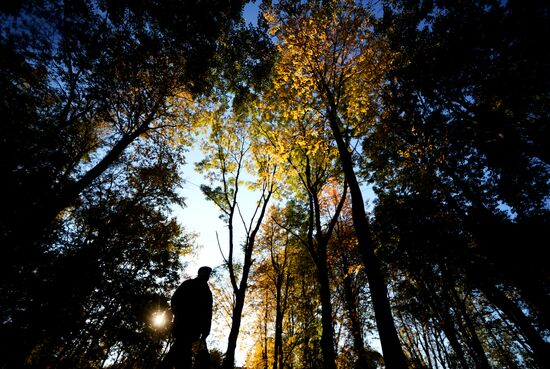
pixel 220 248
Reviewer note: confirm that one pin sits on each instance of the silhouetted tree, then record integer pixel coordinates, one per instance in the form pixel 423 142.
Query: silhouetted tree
pixel 84 86
pixel 97 286
pixel 459 168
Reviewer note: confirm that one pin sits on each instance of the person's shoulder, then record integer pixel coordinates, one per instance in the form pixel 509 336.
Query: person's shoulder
pixel 187 281
pixel 191 283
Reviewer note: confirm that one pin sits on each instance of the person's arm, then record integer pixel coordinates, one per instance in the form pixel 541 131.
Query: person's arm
pixel 207 317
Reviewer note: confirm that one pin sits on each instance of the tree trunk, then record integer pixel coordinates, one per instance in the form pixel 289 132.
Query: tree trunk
pixel 350 299
pixel 394 357
pixel 229 360
pixel 240 291
pixel 452 335
pixel 469 332
pixel 278 349
pixel 327 336
pixel 306 336
pixel 541 349
pixel 240 295
pixel 264 353
pixel 67 195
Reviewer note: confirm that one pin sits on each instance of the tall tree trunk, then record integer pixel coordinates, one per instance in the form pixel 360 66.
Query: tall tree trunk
pixel 541 349
pixel 229 360
pixel 440 305
pixel 440 347
pixel 306 336
pixel 240 295
pixel 356 328
pixel 470 334
pixel 394 357
pixel 452 335
pixel 264 353
pixel 410 342
pixel 240 290
pixel 278 349
pixel 327 336
pixel 317 244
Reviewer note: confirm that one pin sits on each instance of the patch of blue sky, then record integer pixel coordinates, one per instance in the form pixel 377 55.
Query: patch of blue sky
pixel 251 12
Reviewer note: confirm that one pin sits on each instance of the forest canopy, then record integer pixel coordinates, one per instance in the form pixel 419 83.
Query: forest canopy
pixel 397 151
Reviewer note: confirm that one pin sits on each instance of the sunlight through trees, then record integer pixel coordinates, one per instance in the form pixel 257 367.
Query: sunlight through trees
pixel 441 108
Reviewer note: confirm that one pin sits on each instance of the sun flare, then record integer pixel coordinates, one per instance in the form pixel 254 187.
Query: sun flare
pixel 159 319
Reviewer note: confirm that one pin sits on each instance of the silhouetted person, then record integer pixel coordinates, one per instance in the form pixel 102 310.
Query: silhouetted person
pixel 192 309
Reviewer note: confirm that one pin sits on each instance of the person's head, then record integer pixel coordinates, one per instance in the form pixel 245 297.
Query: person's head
pixel 204 273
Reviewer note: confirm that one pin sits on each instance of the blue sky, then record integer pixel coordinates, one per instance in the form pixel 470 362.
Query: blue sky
pixel 250 12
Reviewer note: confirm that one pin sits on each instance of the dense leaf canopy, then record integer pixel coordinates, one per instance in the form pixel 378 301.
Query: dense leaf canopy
pixel 438 108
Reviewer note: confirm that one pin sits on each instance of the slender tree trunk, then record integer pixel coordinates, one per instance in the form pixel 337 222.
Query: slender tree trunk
pixel 282 313
pixel 240 295
pixel 240 291
pixel 278 349
pixel 425 344
pixel 356 328
pixel 452 335
pixel 327 336
pixel 541 349
pixel 410 341
pixel 229 361
pixel 317 244
pixel 394 357
pixel 480 358
pixel 441 354
pixel 441 308
pixel 264 354
pixel 503 352
pixel 306 337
